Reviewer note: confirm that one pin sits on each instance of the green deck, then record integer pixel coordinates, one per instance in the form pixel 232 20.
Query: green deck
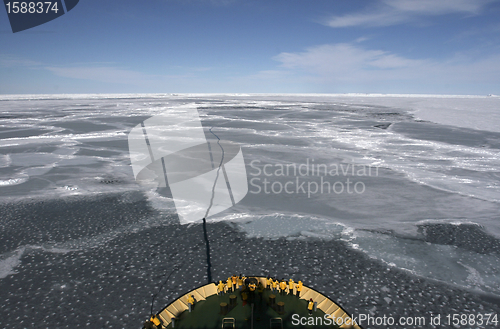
pixel 206 314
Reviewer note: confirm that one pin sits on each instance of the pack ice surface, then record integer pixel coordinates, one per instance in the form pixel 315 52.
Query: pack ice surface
pixel 410 180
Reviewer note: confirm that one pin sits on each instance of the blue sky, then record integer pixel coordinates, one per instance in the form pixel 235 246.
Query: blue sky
pixel 248 46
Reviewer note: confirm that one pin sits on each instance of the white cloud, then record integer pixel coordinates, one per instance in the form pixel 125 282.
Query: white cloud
pixel 367 19
pixel 118 78
pixel 361 39
pixel 350 63
pixel 102 74
pixel 109 74
pixel 213 2
pixel 12 61
pixel 344 59
pixel 441 7
pixel 392 12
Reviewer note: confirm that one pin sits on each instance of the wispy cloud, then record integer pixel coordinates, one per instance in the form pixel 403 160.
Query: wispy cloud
pixel 361 39
pixel 441 7
pixel 213 2
pixel 353 64
pixel 108 73
pixel 490 34
pixel 102 74
pixel 114 76
pixel 13 61
pixel 344 59
pixel 393 12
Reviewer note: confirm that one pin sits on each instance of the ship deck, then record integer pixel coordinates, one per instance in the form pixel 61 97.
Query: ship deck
pixel 207 312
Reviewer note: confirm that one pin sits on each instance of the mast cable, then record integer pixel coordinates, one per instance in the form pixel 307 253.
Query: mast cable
pixel 176 267
pixel 205 234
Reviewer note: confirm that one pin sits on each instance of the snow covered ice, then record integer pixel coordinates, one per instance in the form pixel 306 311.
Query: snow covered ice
pixel 83 245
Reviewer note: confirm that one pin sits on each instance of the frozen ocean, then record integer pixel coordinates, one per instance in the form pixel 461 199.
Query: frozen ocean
pixel 388 204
